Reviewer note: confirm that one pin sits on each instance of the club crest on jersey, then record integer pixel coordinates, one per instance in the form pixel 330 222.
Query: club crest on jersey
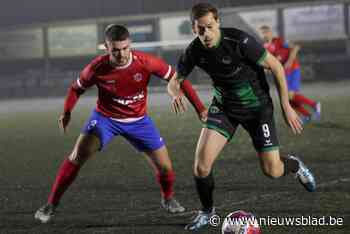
pixel 138 77
pixel 214 110
pixel 130 99
pixel 226 60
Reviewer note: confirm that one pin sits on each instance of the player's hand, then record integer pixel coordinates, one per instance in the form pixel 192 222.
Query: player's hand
pixel 63 121
pixel 178 105
pixel 287 65
pixel 292 119
pixel 203 116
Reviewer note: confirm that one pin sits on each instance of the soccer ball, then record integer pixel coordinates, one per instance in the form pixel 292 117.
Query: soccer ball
pixel 240 222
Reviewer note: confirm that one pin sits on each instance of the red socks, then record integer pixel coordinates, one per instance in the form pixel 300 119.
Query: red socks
pixel 65 176
pixel 166 182
pixel 300 100
pixel 68 172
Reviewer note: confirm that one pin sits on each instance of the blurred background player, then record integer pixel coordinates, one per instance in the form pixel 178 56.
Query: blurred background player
pixel 286 53
pixel 235 62
pixel 122 77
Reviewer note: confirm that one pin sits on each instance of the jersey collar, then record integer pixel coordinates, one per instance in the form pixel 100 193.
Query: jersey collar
pixel 219 41
pixel 126 65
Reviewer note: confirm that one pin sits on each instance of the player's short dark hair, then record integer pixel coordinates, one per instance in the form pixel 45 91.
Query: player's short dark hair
pixel 115 32
pixel 201 9
pixel 265 27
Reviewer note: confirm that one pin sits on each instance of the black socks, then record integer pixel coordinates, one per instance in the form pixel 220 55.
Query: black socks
pixel 205 188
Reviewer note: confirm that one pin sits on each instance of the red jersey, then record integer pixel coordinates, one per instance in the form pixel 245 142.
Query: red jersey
pixel 279 48
pixel 122 91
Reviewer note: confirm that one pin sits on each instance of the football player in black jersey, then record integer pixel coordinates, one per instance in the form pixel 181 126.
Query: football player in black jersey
pixel 235 62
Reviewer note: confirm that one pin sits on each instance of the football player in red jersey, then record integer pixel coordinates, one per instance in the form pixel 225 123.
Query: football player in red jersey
pixel 286 53
pixel 121 76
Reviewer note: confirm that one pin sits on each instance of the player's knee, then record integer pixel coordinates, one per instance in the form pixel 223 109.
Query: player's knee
pixel 291 95
pixel 202 170
pixel 164 169
pixel 273 169
pixel 80 154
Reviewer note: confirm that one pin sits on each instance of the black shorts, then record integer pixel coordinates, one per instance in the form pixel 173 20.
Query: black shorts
pixel 259 123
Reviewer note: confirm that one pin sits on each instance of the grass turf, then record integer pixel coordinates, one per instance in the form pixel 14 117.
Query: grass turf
pixel 116 192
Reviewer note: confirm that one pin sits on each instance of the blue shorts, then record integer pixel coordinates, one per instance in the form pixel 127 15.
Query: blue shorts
pixel 142 134
pixel 293 80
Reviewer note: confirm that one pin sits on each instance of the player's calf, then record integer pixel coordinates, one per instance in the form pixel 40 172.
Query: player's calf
pixel 166 179
pixel 271 164
pixel 65 176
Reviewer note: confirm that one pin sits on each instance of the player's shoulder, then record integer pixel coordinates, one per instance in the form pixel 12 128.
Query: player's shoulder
pixel 278 40
pixel 147 60
pixel 142 56
pixel 195 44
pixel 97 63
pixel 234 34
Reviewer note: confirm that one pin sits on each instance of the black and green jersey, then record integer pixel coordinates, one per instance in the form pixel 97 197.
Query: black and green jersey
pixel 233 65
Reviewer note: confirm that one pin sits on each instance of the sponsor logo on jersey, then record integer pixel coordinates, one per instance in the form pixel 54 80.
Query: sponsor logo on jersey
pixel 227 60
pixel 138 77
pixel 130 99
pixel 110 81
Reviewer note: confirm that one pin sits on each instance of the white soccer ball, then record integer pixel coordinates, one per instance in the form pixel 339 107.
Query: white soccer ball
pixel 240 222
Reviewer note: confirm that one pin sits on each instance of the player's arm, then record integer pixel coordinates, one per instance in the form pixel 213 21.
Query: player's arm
pixel 256 53
pixel 181 85
pixel 178 86
pixel 70 101
pixel 294 49
pixel 77 88
pixel 160 68
pixel 291 117
pixel 174 91
pixel 175 86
